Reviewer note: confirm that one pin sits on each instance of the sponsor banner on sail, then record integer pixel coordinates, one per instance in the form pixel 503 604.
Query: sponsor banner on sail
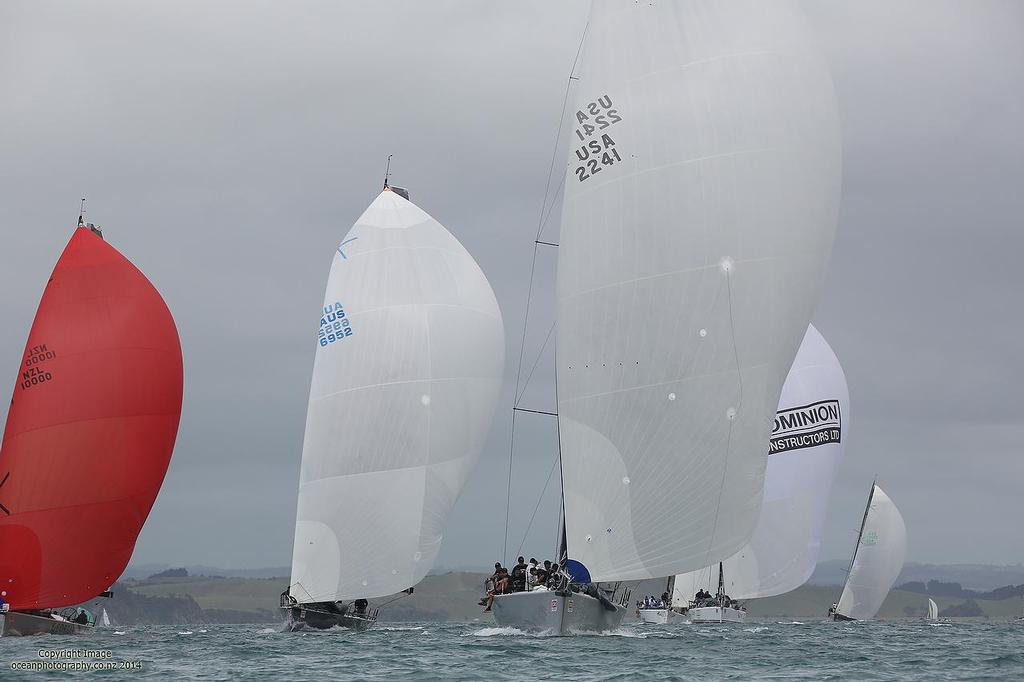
pixel 806 427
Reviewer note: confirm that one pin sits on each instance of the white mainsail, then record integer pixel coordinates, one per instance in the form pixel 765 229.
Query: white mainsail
pixel 408 364
pixel 877 559
pixel 933 609
pixel 804 453
pixel 700 208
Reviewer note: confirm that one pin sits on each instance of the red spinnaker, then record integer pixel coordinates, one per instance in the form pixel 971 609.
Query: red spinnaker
pixel 90 430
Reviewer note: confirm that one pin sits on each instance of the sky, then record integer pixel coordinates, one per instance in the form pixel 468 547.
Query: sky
pixel 227 147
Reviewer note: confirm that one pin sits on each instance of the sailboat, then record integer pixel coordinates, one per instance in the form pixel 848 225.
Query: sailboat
pixel 804 454
pixel 877 559
pixel 699 210
pixel 409 360
pixel 89 435
pixel 933 610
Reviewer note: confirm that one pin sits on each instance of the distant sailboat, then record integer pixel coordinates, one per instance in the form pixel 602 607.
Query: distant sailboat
pixel 699 211
pixel 409 360
pixel 89 435
pixel 877 559
pixel 105 619
pixel 804 454
pixel 933 609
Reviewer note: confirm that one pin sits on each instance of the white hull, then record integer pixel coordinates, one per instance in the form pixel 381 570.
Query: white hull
pixel 716 614
pixel 556 613
pixel 654 616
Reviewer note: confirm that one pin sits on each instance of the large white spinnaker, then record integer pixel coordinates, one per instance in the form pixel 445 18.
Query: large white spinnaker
pixel 409 360
pixel 700 208
pixel 877 559
pixel 804 453
pixel 933 609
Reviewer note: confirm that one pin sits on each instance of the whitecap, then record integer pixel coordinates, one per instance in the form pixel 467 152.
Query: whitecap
pixel 396 628
pixel 623 632
pixel 186 632
pixel 498 632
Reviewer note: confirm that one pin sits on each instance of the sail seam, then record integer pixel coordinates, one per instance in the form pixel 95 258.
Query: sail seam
pixel 683 162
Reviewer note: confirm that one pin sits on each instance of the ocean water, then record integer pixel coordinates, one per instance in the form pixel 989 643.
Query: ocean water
pixel 811 650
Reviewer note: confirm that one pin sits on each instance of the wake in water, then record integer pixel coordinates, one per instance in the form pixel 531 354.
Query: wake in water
pixel 502 632
pixel 397 628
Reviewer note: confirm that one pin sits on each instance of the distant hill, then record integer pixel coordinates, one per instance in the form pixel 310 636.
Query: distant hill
pixel 936 588
pixel 979 577
pixel 453 596
pixel 170 573
pixel 142 571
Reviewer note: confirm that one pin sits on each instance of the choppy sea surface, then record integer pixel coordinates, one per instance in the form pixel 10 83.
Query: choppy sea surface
pixel 811 650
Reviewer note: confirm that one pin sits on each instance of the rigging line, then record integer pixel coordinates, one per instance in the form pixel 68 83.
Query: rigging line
pixel 728 440
pixel 523 409
pixel 392 601
pixel 508 491
pixel 526 384
pixel 558 135
pixel 551 208
pixel 540 499
pixel 526 321
pixel 529 294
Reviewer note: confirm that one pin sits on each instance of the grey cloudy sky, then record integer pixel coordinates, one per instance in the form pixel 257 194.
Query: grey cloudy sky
pixel 226 147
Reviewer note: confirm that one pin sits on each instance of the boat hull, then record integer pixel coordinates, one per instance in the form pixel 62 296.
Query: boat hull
pixel 841 618
pixel 300 618
pixel 716 614
pixel 17 624
pixel 557 613
pixel 654 616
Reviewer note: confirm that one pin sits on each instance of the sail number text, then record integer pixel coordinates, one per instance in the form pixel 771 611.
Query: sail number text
pixel 32 374
pixel 598 148
pixel 334 326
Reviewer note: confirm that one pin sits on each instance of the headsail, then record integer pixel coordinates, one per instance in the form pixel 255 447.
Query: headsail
pixel 700 207
pixel 877 559
pixel 803 456
pixel 408 364
pixel 91 428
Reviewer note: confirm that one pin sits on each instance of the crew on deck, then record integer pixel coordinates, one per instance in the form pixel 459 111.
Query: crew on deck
pixel 524 577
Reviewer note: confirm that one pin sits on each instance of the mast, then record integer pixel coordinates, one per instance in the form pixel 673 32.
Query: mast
pixel 856 547
pixel 563 541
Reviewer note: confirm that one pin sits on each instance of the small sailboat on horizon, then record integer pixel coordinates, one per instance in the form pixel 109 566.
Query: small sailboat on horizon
pixel 409 360
pixel 88 439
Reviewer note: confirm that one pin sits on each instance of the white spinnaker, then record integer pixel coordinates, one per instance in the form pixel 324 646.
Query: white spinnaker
pixel 805 450
pixel 398 408
pixel 933 609
pixel 695 232
pixel 877 561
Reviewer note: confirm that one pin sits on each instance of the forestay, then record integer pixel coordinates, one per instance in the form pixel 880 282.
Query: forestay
pixel 700 208
pixel 877 560
pixel 409 359
pixel 804 453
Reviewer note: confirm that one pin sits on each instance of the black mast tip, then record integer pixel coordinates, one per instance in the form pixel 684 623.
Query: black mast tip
pixel 387 172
